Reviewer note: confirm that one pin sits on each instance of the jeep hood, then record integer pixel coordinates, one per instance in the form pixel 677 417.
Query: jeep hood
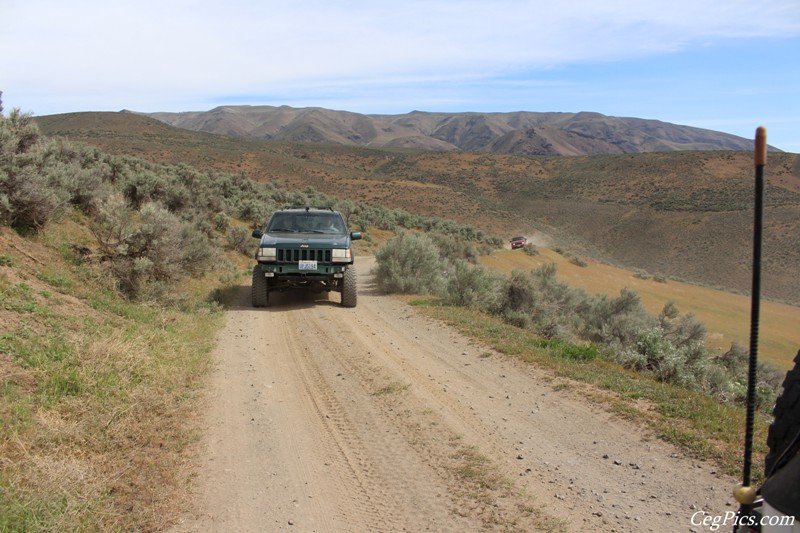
pixel 312 240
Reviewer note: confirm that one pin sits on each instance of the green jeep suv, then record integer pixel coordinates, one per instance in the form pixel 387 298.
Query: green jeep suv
pixel 306 248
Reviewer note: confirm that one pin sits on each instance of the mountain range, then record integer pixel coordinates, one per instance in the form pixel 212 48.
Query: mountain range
pixel 684 214
pixel 522 133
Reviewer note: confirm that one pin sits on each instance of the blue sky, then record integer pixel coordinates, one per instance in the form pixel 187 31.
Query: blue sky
pixel 725 65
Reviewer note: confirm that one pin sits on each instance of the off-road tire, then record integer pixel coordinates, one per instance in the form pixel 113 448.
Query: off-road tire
pixel 258 291
pixel 349 287
pixel 786 425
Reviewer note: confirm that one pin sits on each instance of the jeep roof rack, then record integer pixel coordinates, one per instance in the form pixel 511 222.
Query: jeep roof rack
pixel 309 207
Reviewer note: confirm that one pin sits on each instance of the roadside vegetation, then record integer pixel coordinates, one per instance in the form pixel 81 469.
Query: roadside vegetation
pixel 612 342
pixel 112 271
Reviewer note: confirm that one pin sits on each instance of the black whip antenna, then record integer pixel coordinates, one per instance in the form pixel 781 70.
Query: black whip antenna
pixel 746 494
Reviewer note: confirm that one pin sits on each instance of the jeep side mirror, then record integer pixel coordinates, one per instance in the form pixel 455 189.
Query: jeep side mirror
pixel 355 235
pixel 257 233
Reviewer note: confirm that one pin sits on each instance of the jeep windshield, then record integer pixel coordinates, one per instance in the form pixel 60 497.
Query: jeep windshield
pixel 287 222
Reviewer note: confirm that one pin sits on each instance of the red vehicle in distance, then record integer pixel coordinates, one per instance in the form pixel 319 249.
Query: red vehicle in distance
pixel 518 242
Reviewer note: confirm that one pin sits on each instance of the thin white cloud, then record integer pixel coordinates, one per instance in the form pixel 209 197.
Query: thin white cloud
pixel 235 44
pixel 154 55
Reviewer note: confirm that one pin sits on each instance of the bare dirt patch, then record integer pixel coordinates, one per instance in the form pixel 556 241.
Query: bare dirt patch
pixel 376 419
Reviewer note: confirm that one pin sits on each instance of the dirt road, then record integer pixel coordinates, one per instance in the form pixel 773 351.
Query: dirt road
pixel 323 418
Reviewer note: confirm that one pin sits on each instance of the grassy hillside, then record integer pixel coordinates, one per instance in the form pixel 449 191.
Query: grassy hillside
pixel 680 214
pixel 97 393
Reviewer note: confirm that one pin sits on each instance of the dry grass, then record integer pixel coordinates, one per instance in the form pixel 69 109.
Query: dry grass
pixel 726 315
pixel 96 395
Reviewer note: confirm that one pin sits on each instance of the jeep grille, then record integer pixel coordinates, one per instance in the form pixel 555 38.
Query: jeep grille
pixel 305 254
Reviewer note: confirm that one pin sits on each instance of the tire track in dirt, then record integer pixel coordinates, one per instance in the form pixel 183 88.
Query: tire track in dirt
pixel 425 418
pixel 395 474
pixel 376 419
pixel 361 499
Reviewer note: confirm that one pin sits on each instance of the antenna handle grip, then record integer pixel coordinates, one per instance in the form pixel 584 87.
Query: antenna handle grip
pixel 761 146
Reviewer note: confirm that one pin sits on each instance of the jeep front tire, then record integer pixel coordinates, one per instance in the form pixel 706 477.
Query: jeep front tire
pixel 259 292
pixel 349 288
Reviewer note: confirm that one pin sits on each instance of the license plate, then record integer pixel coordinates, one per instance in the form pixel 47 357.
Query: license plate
pixel 308 265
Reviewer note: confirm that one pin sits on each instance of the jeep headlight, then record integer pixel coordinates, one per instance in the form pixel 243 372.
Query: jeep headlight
pixel 267 254
pixel 341 255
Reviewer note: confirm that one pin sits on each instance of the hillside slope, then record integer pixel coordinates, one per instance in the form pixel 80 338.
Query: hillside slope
pixel 98 391
pixel 681 214
pixel 522 132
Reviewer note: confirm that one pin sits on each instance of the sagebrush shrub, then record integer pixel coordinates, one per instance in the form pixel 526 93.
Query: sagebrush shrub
pixel 29 196
pixel 151 246
pixel 689 330
pixel 472 286
pixel 256 212
pixel 221 221
pixel 615 322
pixel 655 354
pixel 718 383
pixel 735 359
pixel 735 363
pixel 520 294
pixel 409 263
pixel 452 248
pixel 519 319
pixel 577 261
pixel 530 249
pixel 239 239
pixel 33 201
pixel 198 252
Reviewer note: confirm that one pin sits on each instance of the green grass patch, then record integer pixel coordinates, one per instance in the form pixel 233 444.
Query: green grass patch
pixel 21 512
pixel 567 350
pixel 56 280
pixel 65 381
pixel 474 468
pixel 95 385
pixel 392 388
pixel 425 302
pixel 17 297
pixel 34 350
